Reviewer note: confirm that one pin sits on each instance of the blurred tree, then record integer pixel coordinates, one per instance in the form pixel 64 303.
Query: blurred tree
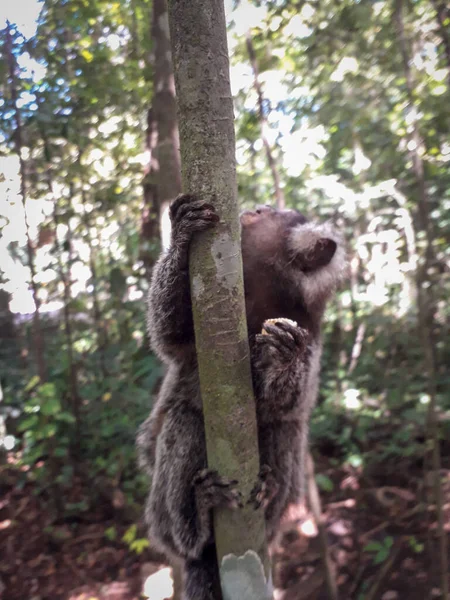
pixel 17 135
pixel 162 181
pixel 279 195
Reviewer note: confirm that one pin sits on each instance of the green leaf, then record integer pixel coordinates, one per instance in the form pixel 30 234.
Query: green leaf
pixel 29 423
pixel 65 417
pixel 381 556
pixel 48 431
pixel 130 534
pixel 60 452
pixel 373 547
pixel 34 381
pixel 50 406
pixel 324 483
pixel 111 533
pixel 139 545
pixel 88 56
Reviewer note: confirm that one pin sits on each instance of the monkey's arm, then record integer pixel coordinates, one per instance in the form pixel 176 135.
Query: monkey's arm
pixel 280 370
pixel 169 306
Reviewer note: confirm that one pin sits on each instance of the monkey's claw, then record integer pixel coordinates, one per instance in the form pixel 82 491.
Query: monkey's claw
pixel 216 491
pixel 188 214
pixel 264 490
pixel 283 340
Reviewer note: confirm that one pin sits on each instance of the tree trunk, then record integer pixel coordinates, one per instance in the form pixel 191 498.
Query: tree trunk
pixel 162 181
pixel 425 299
pixel 66 278
pixel 37 329
pixel 443 17
pixel 165 165
pixel 150 230
pixel 279 194
pixel 165 110
pixel 205 110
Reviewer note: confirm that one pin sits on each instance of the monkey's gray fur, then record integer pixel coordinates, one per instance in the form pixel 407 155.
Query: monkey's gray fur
pixel 291 268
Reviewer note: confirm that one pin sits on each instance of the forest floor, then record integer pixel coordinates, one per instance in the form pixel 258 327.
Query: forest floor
pixel 381 538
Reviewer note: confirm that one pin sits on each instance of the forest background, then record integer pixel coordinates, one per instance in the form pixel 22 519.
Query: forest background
pixel 342 112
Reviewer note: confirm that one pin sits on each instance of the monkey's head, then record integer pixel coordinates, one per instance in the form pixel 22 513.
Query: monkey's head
pixel 291 266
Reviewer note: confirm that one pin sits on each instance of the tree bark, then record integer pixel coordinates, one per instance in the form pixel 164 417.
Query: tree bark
pixel 162 181
pixel 279 194
pixel 442 16
pixel 165 164
pixel 150 230
pixel 66 278
pixel 165 110
pixel 425 300
pixel 205 112
pixel 38 341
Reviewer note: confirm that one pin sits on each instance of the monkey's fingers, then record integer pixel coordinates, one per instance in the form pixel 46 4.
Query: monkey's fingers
pixel 216 496
pixel 264 490
pixel 198 208
pixel 189 204
pixel 299 334
pixel 283 344
pixel 276 333
pixel 217 490
pixel 179 201
pixel 272 349
pixel 193 221
pixel 224 497
pixel 257 496
pixel 211 476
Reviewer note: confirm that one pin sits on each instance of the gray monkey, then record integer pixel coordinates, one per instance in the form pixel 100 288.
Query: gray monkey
pixel 302 263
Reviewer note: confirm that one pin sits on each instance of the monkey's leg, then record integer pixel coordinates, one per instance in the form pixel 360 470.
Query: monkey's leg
pixel 184 489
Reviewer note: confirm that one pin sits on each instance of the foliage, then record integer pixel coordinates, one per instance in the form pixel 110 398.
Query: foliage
pixel 135 543
pixel 380 550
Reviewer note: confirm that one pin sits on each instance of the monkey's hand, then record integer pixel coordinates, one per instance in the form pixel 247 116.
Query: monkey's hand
pixel 281 344
pixel 265 489
pixel 213 491
pixel 188 215
pixel 280 368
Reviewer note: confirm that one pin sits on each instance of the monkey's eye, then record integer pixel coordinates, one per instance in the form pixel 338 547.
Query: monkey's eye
pixel 260 210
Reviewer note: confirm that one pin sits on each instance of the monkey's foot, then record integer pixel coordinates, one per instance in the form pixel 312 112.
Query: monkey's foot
pixel 264 490
pixel 282 341
pixel 213 490
pixel 187 215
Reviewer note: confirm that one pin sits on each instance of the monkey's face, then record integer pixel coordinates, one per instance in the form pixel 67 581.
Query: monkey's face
pixel 288 259
pixel 264 233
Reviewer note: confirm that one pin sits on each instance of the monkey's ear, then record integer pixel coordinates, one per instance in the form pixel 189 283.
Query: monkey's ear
pixel 319 255
pixel 312 246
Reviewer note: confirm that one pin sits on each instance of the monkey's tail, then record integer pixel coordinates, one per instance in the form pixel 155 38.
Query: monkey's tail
pixel 201 577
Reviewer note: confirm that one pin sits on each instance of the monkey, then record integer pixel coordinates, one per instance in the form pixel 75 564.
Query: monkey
pixel 302 263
